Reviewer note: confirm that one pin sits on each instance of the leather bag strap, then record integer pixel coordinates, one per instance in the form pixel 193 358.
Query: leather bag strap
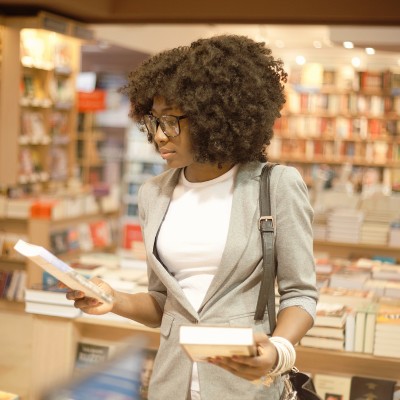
pixel 266 225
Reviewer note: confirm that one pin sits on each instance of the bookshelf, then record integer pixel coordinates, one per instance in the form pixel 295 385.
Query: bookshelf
pixel 334 120
pixel 38 87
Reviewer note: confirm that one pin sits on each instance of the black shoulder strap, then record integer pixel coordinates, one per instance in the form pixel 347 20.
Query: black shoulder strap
pixel 266 297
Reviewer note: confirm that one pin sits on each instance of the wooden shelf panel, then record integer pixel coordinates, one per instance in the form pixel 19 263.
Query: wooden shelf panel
pixel 346 363
pixel 354 250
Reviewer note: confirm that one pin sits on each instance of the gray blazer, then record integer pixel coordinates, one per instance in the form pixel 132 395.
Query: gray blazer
pixel 232 295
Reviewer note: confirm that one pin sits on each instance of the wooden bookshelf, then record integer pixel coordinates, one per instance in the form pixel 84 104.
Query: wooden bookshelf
pixel 337 121
pixel 355 250
pixel 40 60
pixel 346 363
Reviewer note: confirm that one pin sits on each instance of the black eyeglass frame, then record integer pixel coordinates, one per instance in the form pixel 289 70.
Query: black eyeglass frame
pixel 159 123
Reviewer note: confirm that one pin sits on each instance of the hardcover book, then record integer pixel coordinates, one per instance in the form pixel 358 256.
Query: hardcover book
pixel 201 342
pixel 61 271
pixel 369 388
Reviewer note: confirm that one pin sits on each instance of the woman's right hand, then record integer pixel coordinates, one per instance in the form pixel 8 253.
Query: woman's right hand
pixel 90 305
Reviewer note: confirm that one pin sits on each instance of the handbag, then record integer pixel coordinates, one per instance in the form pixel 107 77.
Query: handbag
pixel 297 385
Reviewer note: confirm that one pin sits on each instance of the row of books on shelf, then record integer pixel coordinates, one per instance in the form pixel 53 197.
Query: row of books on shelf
pixel 98 234
pixel 314 77
pixel 35 129
pixel 380 152
pixel 60 206
pixel 58 91
pixel 352 104
pixel 12 285
pixel 337 128
pixel 370 328
pixel 358 218
pixel 101 233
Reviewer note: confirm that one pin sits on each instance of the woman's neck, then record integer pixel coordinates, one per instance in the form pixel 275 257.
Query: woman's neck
pixel 197 172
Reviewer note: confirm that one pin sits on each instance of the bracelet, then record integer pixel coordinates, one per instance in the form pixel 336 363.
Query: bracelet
pixel 285 361
pixel 286 355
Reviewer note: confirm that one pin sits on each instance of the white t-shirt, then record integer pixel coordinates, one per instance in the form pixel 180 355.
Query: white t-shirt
pixel 193 235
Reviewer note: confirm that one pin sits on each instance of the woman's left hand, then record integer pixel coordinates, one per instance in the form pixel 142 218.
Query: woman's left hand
pixel 250 368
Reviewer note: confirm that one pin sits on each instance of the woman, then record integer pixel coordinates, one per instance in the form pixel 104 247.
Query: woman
pixel 209 109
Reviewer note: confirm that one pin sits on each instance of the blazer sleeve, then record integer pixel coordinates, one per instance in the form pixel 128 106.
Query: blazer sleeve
pixel 294 242
pixel 155 288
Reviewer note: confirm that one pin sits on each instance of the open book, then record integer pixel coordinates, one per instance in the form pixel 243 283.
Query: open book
pixel 61 271
pixel 201 342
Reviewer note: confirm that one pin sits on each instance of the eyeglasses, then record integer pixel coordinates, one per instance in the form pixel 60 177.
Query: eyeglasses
pixel 169 124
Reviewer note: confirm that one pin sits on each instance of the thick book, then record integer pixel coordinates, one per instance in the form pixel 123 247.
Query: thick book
pixel 369 388
pixel 61 271
pixel 201 342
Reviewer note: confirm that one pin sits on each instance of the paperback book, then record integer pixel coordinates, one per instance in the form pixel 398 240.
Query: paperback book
pixel 61 271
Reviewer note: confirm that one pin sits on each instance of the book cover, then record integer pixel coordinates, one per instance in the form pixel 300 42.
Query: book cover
pixel 201 342
pixel 90 352
pixel 146 372
pixel 100 232
pixel 363 388
pixel 332 387
pixel 61 271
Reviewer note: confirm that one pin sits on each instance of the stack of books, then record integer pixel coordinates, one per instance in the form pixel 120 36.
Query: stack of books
pixel 328 331
pixel 344 225
pixel 50 301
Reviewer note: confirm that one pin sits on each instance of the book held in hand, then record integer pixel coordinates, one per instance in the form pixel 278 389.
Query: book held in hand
pixel 204 341
pixel 61 271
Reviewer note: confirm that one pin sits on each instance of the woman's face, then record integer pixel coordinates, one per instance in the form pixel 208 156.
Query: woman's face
pixel 177 151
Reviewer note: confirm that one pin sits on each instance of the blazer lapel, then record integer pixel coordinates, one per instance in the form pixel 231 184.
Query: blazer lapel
pixel 244 215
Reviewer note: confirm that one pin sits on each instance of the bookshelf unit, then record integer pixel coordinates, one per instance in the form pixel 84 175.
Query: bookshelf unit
pixel 336 121
pixel 38 89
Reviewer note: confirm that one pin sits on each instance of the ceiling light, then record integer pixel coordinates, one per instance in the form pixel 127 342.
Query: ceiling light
pixel 348 45
pixel 370 50
pixel 356 62
pixel 300 60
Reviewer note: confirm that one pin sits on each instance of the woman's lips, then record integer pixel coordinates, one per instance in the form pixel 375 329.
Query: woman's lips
pixel 165 154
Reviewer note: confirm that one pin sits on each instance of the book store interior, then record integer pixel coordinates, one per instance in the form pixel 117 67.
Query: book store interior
pixel 72 161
